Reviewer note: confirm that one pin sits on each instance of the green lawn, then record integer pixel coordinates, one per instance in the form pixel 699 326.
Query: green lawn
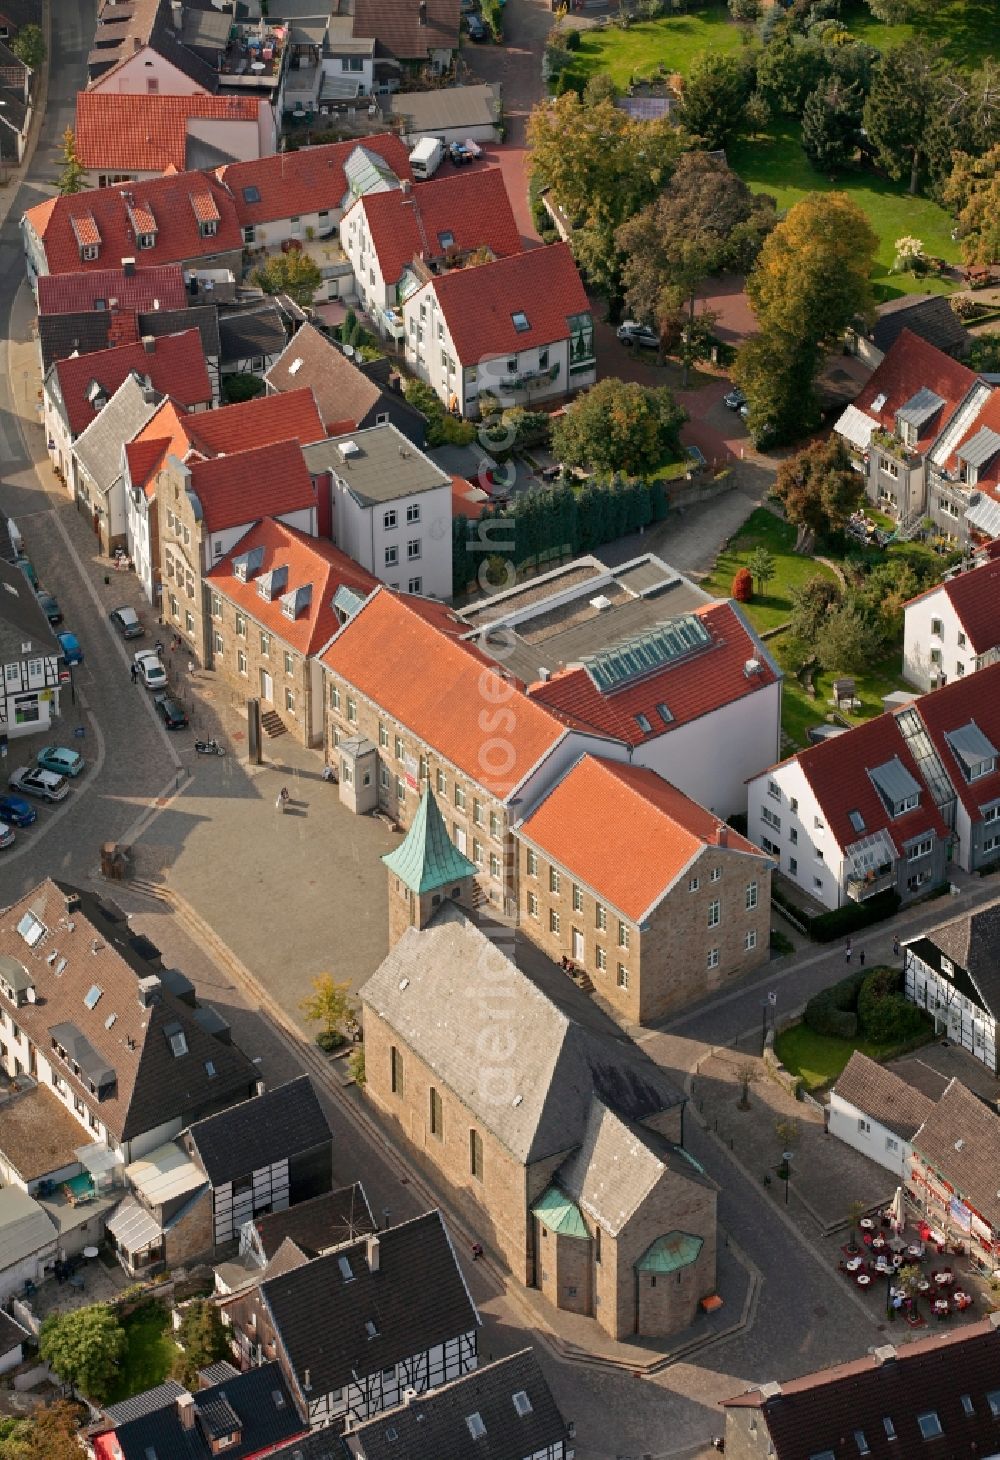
pixel 150 1353
pixel 819 1058
pixel 967 29
pixel 674 42
pixel 800 711
pixel 763 529
pixel 775 163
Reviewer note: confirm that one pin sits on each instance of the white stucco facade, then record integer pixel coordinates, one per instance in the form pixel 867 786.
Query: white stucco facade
pixel 869 1137
pixel 936 648
pixel 785 818
pixel 399 541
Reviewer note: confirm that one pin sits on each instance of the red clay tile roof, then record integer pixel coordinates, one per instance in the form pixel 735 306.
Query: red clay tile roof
pixel 814 1415
pixel 289 417
pixel 975 597
pixel 307 181
pixel 344 394
pixel 478 304
pixel 910 364
pixel 145 457
pixel 404 655
pixel 176 367
pixel 467 499
pixel 142 292
pixel 124 132
pixel 396 25
pixel 264 481
pixel 310 561
pixel 976 697
pixel 838 772
pixel 168 200
pixel 988 476
pixel 649 832
pixel 693 686
pixel 473 207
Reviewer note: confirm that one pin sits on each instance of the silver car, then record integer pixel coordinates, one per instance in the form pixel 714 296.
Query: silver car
pixel 31 780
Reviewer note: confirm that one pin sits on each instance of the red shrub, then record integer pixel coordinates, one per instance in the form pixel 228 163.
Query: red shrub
pixel 743 586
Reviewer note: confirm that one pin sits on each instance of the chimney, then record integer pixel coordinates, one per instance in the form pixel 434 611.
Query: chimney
pixel 307 1381
pixel 405 186
pixel 177 14
pixel 722 835
pixel 544 674
pixel 185 1410
pixel 149 344
pixel 883 1355
pixel 373 1253
pixel 423 12
pixel 396 382
pixel 149 990
pixel 128 267
pixel 137 43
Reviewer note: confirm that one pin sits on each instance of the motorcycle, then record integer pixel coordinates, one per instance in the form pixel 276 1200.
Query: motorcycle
pixel 209 747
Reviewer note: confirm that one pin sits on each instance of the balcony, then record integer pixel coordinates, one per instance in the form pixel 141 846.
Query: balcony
pixel 878 879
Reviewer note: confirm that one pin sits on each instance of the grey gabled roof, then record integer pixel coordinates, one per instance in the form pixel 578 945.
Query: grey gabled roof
pixel 249 332
pixel 894 782
pixel 148 1402
pixel 22 620
pixel 919 409
pixel 930 316
pixel 970 746
pixel 435 1425
pixel 437 989
pixel 961 1139
pixel 99 448
pixel 980 448
pixel 618 1165
pixel 882 1095
pixel 972 942
pixel 278 1124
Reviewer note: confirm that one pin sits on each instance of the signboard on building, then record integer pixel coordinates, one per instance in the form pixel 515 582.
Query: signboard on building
pixel 959 1213
pixel 411 767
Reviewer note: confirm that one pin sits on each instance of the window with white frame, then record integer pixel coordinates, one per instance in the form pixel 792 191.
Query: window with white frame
pixel 532 903
pixel 553 920
pixel 714 913
pixel 622 976
pixel 554 879
pixel 751 896
pixel 750 940
pixel 624 935
pixel 712 961
pixel 693 884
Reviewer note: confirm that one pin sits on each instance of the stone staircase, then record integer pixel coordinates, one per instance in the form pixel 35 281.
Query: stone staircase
pixel 273 724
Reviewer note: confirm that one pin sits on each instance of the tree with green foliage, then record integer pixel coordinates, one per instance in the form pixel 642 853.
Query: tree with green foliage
pixel 84 1347
pixel 745 11
pixel 619 426
pixel 714 98
pixel 776 376
pixel 901 107
pixel 240 387
pixel 848 642
pixel 973 192
pixel 51 1433
pixel 600 87
pixel 885 1014
pixel 812 604
pixel 984 357
pixel 818 487
pixel 831 125
pixel 329 1005
pixel 73 175
pixel 899 12
pixel 812 276
pixel 443 429
pixel 790 69
pixel 29 46
pixel 762 567
pixel 292 273
pixel 203 1341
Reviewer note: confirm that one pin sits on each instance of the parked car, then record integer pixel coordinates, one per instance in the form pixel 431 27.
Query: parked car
pixel 60 759
pixel 50 608
pixel 72 652
pixel 171 713
pixel 475 27
pixel 27 568
pixel 630 332
pixel 734 399
pixel 46 785
pixel 126 621
pixel 6 837
pixel 15 811
pixel 459 154
pixel 151 671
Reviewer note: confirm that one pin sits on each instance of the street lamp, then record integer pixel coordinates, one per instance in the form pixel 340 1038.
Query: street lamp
pixel 786 1157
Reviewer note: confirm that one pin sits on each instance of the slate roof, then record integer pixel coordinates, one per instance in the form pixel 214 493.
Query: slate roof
pixel 202 317
pixel 650 832
pixel 961 1140
pixel 144 290
pixel 424 990
pixel 416 1299
pixel 975 698
pixel 25 1228
pixel 11 1333
pixel 344 394
pixel 307 181
pixel 814 1414
pixel 22 619
pixel 975 597
pixel 99 446
pixel 427 858
pixel 405 655
pixel 471 207
pixel 478 304
pixel 258 1401
pixel 317 1225
pixel 911 364
pixel 152 1084
pixel 397 25
pixel 244 333
pixel 175 367
pixel 62 335
pixel 929 316
pixel 280 1123
pixel 312 563
pixel 172 200
pixel 435 1425
pixel 972 941
pixel 838 772
pixel 145 1403
pixel 882 1095
pixel 617 1166
pixel 242 487
pixel 691 685
pixel 138 132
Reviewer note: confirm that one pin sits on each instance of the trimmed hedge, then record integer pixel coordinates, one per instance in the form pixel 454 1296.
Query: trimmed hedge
pixel 834 1010
pixel 826 927
pixel 885 1014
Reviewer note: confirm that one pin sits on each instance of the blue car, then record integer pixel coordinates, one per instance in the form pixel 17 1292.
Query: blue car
pixel 60 760
pixel 15 811
pixel 72 652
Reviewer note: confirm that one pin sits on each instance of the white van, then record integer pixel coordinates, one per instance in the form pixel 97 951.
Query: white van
pixel 425 159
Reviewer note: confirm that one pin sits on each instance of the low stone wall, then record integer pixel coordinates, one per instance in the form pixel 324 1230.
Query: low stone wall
pixel 776 1071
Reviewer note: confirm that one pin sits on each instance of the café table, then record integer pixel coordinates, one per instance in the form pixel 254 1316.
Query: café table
pixel 867 1223
pixel 961 1300
pixel 923 1286
pixel 854 1263
pixel 942 1307
pixel 916 1250
pixel 862 1280
pixel 943 1279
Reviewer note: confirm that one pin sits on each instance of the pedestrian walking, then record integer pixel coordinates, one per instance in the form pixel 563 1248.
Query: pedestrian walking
pixel 191 668
pixel 895 947
pixel 134 671
pixel 847 954
pixel 158 646
pixel 477 1251
pixel 861 958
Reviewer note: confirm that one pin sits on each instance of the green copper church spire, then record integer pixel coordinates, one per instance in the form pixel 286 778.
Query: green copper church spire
pixel 427 859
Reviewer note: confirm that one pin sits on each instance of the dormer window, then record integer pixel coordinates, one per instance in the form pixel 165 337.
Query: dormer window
pixel 976 755
pixel 208 228
pixel 898 790
pixel 146 240
pixel 89 252
pixel 446 240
